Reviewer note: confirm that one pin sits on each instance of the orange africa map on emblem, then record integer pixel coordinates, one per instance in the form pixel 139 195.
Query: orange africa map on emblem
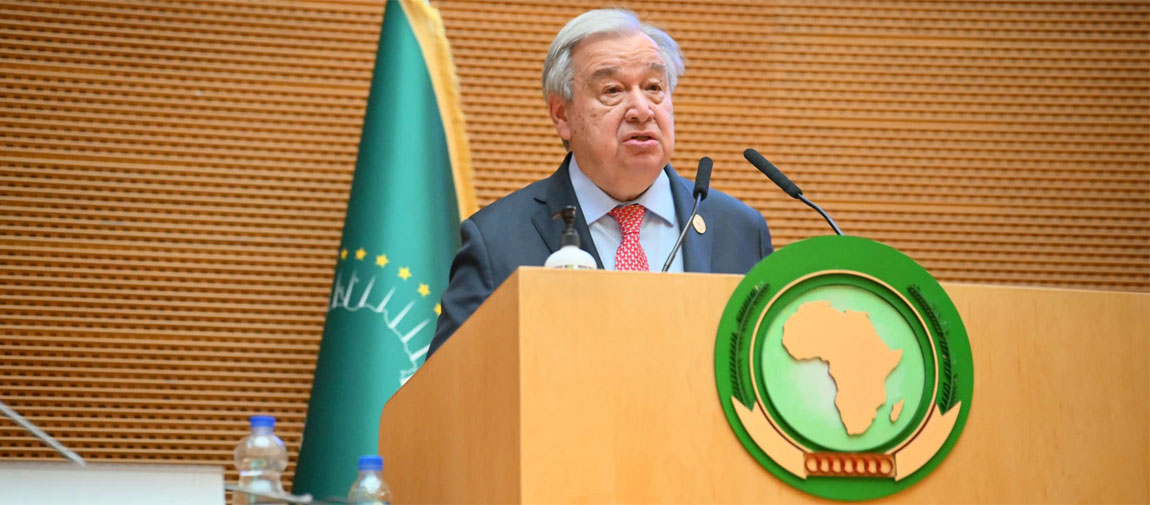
pixel 858 360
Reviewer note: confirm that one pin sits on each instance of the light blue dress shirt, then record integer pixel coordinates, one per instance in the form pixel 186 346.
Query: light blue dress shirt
pixel 657 233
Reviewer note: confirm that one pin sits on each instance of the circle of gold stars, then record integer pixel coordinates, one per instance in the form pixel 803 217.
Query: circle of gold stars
pixel 404 272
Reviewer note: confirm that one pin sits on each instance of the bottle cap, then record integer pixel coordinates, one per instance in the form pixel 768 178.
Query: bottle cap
pixel 263 422
pixel 370 462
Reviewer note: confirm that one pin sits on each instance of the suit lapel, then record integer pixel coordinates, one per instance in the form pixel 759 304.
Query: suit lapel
pixel 559 193
pixel 696 249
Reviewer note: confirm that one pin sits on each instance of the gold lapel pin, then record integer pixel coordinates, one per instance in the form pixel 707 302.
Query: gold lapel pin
pixel 699 224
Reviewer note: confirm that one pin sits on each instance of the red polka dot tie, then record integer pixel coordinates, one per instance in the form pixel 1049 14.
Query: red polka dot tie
pixel 630 255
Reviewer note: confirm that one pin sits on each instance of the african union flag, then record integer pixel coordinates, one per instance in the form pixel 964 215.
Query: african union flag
pixel 411 187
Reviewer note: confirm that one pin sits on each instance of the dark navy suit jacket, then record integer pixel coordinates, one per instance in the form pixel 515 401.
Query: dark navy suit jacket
pixel 519 230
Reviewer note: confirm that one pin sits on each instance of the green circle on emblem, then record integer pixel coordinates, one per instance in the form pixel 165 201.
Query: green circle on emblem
pixel 803 391
pixel 844 368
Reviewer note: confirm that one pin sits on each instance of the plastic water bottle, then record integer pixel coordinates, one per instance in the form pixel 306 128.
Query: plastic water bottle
pixel 260 457
pixel 369 488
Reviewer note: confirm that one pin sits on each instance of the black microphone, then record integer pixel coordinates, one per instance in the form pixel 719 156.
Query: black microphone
pixel 776 176
pixel 703 179
pixel 702 185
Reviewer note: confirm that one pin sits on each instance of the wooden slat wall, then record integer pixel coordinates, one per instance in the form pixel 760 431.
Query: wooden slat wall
pixel 173 175
pixel 173 181
pixel 1001 142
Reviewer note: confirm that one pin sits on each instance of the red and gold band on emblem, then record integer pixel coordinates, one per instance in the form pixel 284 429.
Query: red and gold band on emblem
pixel 849 464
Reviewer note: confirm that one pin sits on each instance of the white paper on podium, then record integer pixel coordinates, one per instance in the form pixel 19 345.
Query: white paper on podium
pixel 50 483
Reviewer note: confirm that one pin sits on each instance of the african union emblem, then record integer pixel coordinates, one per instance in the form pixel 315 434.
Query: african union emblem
pixel 844 368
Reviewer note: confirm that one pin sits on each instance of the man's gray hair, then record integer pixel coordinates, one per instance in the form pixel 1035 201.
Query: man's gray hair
pixel 558 72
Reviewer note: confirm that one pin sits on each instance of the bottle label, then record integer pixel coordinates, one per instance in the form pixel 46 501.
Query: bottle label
pixel 574 267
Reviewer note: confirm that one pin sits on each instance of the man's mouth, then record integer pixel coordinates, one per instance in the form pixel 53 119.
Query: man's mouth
pixel 640 139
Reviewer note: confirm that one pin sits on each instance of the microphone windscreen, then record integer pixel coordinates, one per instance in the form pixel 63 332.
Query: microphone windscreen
pixel 774 174
pixel 703 178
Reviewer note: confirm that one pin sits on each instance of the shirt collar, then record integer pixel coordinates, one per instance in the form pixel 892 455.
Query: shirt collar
pixel 596 203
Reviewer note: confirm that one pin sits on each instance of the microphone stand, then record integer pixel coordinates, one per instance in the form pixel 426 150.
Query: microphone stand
pixel 820 210
pixel 38 433
pixel 686 226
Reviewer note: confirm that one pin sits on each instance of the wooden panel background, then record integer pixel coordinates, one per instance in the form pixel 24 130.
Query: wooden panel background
pixel 993 142
pixel 173 181
pixel 173 175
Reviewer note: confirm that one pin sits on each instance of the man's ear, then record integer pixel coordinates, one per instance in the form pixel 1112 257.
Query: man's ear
pixel 557 106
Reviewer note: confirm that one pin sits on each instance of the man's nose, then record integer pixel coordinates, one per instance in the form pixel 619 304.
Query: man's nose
pixel 639 107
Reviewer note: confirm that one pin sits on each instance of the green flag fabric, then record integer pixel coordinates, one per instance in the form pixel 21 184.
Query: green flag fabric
pixel 408 193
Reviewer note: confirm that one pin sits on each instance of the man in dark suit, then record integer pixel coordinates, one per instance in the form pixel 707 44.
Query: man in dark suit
pixel 608 80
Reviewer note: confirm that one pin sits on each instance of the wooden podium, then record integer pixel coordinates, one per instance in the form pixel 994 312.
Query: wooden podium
pixel 598 387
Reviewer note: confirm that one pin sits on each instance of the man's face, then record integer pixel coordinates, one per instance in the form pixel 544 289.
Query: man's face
pixel 619 122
